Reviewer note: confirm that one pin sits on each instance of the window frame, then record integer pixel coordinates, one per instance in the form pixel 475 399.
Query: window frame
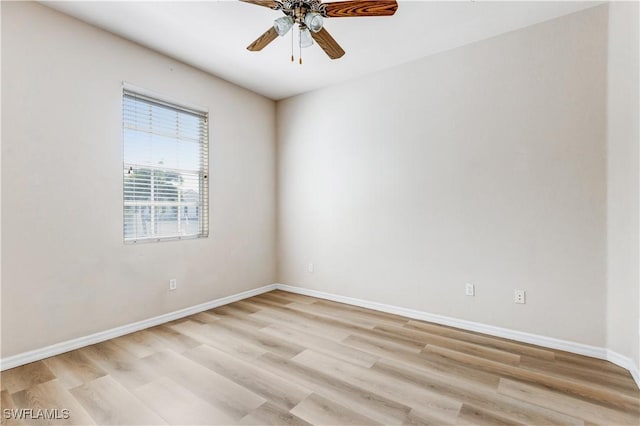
pixel 205 175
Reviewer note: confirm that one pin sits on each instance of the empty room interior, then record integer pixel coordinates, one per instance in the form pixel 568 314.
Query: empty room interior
pixel 274 212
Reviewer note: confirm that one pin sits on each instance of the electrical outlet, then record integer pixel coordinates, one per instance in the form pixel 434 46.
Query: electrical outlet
pixel 519 296
pixel 310 268
pixel 469 289
pixel 173 284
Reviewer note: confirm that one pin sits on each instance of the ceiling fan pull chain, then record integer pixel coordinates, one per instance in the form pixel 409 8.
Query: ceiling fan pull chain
pixel 300 44
pixel 292 58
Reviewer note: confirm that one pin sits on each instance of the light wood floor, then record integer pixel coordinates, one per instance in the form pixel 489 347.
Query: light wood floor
pixel 282 358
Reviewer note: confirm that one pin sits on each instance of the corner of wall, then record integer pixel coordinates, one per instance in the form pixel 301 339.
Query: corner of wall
pixel 623 181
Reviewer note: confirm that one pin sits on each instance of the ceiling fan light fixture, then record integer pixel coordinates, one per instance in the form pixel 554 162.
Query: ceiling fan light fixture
pixel 305 38
pixel 313 21
pixel 283 25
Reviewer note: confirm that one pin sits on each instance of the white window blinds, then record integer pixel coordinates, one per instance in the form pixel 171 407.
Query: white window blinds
pixel 166 170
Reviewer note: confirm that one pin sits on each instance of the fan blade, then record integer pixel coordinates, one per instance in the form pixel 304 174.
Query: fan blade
pixel 328 44
pixel 345 9
pixel 263 40
pixel 271 4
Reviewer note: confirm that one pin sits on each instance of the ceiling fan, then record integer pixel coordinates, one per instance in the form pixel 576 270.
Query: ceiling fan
pixel 310 14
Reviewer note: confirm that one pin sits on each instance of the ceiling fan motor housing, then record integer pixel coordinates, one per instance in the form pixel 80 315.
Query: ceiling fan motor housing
pixel 298 9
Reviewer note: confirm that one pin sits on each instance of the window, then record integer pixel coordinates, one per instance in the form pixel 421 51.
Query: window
pixel 166 170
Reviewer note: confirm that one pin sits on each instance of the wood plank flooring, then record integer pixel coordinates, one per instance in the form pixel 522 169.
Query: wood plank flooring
pixel 283 358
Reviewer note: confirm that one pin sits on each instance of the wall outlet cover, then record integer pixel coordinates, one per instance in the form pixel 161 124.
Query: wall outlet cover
pixel 469 289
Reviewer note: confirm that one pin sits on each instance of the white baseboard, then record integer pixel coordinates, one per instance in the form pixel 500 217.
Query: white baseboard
pixel 535 339
pixel 69 345
pixel 624 362
pixel 520 336
pixel 547 342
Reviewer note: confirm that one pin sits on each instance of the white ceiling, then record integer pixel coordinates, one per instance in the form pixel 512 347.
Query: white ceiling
pixel 213 35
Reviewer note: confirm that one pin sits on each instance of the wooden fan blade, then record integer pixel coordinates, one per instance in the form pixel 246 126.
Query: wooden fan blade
pixel 271 4
pixel 328 44
pixel 262 41
pixel 345 9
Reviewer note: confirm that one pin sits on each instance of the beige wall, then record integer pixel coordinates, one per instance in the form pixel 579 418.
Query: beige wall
pixel 484 164
pixel 66 272
pixel 623 135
